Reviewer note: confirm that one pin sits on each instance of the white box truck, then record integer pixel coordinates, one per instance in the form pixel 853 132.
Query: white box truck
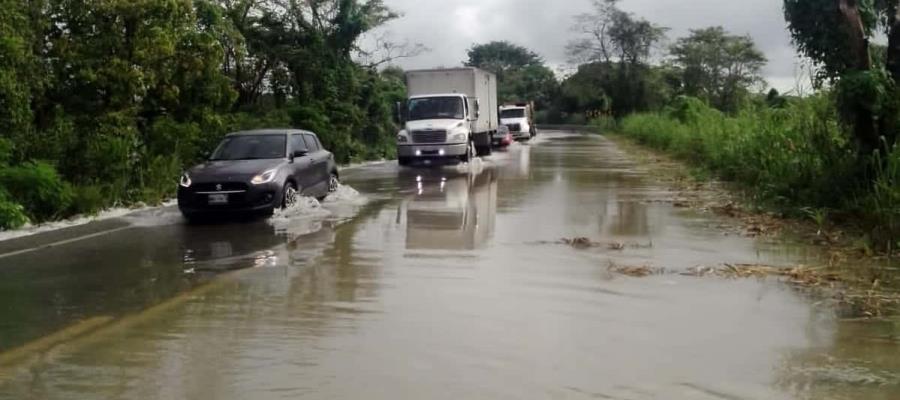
pixel 449 117
pixel 519 118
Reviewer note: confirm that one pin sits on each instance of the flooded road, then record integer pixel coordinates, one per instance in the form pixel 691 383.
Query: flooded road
pixel 436 284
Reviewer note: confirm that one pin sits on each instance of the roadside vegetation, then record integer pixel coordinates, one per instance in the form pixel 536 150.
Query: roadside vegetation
pixel 829 155
pixel 103 103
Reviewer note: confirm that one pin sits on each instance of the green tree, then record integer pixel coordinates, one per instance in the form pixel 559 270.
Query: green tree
pixel 502 57
pixel 521 73
pixel 612 35
pixel 618 44
pixel 836 35
pixel 596 88
pixel 718 67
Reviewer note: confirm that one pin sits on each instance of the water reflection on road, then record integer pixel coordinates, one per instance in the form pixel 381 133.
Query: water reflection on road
pixel 441 285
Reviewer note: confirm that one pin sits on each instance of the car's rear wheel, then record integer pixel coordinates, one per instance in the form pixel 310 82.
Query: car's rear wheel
pixel 191 218
pixel 333 184
pixel 290 195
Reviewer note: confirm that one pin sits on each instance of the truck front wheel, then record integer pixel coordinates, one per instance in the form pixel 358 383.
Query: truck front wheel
pixel 470 153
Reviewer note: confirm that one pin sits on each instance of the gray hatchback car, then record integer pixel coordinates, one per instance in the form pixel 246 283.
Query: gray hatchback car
pixel 258 172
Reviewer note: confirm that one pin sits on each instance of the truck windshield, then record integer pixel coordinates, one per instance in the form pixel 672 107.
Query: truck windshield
pixel 513 113
pixel 251 147
pixel 436 108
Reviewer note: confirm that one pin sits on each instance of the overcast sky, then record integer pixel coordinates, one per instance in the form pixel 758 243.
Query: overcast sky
pixel 450 27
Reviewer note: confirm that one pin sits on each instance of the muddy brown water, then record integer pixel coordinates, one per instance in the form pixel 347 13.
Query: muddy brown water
pixel 440 286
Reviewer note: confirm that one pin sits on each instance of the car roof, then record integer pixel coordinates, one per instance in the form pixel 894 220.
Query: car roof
pixel 270 132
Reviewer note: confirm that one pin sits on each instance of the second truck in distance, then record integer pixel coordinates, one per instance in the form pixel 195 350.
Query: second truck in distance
pixel 519 117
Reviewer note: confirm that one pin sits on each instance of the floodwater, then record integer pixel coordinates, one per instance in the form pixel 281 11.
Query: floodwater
pixel 434 284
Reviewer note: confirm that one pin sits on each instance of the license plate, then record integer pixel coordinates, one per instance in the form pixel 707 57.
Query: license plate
pixel 218 199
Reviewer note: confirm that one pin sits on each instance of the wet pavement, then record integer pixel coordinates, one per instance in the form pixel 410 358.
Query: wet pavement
pixel 431 284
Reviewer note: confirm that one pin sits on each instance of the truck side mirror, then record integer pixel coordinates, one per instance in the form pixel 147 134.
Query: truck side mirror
pixel 477 111
pixel 399 117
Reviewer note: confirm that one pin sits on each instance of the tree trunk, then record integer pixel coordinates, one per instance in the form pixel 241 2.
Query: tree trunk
pixel 889 130
pixel 863 122
pixel 859 43
pixel 893 50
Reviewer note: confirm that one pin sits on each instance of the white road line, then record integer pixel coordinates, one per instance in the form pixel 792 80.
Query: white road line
pixel 63 242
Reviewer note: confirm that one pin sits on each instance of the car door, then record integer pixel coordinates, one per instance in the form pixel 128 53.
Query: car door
pixel 319 158
pixel 301 165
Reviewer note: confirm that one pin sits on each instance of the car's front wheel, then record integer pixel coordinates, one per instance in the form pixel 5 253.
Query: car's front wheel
pixel 289 195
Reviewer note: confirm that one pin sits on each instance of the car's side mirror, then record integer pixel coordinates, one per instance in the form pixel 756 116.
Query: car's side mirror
pixel 300 153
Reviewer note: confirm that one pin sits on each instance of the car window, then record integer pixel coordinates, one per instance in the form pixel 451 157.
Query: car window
pixel 297 144
pixel 311 143
pixel 250 147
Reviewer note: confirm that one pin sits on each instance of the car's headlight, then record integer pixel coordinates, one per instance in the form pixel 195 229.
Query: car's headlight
pixel 265 177
pixel 185 180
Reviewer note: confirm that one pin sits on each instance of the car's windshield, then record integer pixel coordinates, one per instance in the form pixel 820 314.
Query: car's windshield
pixel 436 108
pixel 513 113
pixel 251 147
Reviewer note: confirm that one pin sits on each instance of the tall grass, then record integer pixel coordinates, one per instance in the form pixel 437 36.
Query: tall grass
pixel 797 158
pixel 884 199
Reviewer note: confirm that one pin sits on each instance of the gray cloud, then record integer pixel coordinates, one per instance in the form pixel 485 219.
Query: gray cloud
pixel 450 27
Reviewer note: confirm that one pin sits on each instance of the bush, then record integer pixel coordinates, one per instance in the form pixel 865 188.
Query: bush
pixel 883 202
pixel 12 215
pixel 38 187
pixel 797 156
pixel 88 200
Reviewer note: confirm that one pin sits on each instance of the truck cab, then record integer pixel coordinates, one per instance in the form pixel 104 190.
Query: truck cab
pixel 436 127
pixel 449 117
pixel 519 118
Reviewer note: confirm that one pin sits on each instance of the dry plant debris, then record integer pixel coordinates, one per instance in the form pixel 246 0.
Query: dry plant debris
pixel 859 298
pixel 586 243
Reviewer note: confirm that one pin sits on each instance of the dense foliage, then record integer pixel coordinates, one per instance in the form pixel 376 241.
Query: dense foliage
pixel 796 158
pixel 104 102
pixel 836 35
pixel 521 74
pixel 718 67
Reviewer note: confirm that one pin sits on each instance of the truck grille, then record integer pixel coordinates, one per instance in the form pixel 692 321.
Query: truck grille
pixel 429 136
pixel 514 127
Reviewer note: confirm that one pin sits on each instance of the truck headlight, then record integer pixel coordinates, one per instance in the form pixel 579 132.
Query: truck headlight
pixel 402 137
pixel 265 177
pixel 458 137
